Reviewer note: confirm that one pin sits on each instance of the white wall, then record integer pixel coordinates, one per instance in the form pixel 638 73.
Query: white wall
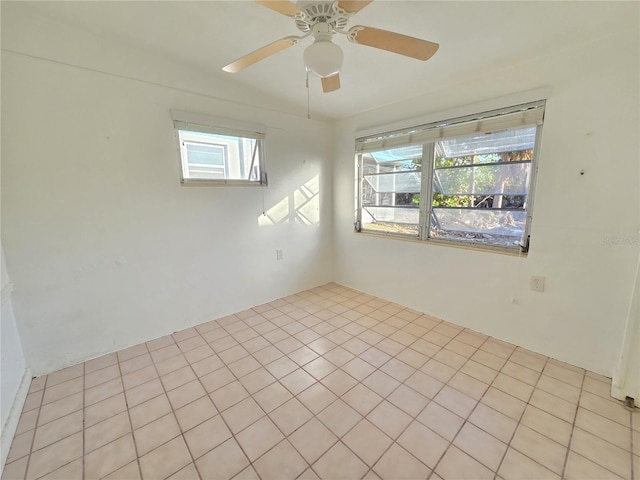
pixel 108 248
pixel 585 228
pixel 14 375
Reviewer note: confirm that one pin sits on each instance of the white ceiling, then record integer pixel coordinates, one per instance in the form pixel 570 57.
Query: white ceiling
pixel 475 37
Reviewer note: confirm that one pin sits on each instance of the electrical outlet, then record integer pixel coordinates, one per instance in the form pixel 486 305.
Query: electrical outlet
pixel 537 284
pixel 279 255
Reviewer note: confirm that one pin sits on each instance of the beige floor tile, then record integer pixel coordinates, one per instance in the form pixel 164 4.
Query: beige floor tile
pixel 144 392
pixel 468 385
pixel 497 424
pixel 62 390
pixel 293 376
pixel 317 397
pixel 367 441
pixel 504 403
pixel 71 471
pixel 457 464
pixel 408 400
pixel 15 470
pixel 64 375
pixel 534 362
pixel 242 414
pixel 438 370
pixel 290 416
pixel 259 438
pixel 602 452
pixel 312 440
pixel 426 445
pixel 524 374
pixel 488 359
pixel 206 436
pixel 548 425
pixel 340 463
pixel 204 366
pixel 440 420
pixel 319 368
pixel 459 403
pixel 130 471
pixel 109 458
pixel 303 355
pixel 399 464
pixel 172 364
pixel 98 363
pixel 217 379
pixel 580 468
pixel 177 378
pixel 228 395
pixel 485 448
pixel 611 431
pixel 106 431
pixel 165 460
pixel 612 410
pixel 565 375
pixel 513 387
pixel 339 417
pixel 149 411
pixel 28 421
pixel 479 371
pixel 128 366
pixel 54 456
pixel 540 448
pixel 339 382
pixel 105 409
pixel 156 433
pixel 389 418
pixel 362 399
pixel 516 466
pixel 297 381
pixel 195 413
pixel 20 446
pixel 282 462
pixel 186 394
pixel 271 397
pixel 257 380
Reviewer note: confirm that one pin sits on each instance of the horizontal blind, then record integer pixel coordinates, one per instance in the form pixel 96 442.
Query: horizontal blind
pixel 196 122
pixel 525 115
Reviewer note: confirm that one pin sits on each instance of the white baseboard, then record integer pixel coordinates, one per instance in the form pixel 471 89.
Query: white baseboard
pixel 11 425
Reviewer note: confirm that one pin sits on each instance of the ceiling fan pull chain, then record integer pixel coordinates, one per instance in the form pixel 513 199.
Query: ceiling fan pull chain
pixel 308 98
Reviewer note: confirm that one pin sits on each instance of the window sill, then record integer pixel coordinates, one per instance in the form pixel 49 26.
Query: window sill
pixel 509 251
pixel 205 182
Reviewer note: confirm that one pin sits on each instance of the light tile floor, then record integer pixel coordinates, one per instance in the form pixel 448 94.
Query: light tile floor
pixel 329 383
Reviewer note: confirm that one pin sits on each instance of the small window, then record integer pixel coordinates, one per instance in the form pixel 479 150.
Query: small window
pixel 211 154
pixel 467 180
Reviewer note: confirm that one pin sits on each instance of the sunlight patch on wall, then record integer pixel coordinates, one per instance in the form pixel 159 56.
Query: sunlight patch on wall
pixel 302 206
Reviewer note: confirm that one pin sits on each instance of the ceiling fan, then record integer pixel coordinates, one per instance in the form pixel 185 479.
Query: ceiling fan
pixel 322 19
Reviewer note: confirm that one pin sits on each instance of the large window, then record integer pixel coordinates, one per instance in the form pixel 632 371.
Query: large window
pixel 464 180
pixel 214 154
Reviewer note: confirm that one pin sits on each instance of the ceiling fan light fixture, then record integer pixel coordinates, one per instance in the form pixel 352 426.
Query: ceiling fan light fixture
pixel 323 57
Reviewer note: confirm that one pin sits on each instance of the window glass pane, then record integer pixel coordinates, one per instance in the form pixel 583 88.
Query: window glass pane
pixel 219 157
pixel 394 182
pixel 502 227
pixel 505 141
pixel 402 220
pixel 488 179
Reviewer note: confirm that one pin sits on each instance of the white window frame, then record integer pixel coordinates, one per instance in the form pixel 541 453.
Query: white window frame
pixel 189 126
pixel 523 115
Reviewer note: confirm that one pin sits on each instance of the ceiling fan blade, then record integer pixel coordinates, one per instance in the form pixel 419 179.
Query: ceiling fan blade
pixel 260 54
pixel 285 8
pixel 353 6
pixel 331 83
pixel 393 42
